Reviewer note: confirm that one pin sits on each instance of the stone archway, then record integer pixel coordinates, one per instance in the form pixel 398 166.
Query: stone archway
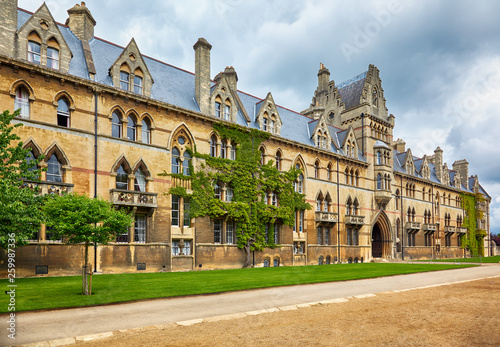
pixel 381 237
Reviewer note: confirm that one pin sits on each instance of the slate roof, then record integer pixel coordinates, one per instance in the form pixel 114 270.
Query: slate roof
pixel 351 90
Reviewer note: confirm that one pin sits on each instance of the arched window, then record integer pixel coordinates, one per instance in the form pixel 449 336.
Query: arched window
pixel 346 175
pixel 329 172
pixel 30 159
pixel 145 132
pixel 278 160
pixel 223 149
pixel 185 163
pixel 63 114
pixel 262 156
pixel 227 110
pixel 121 178
pixel 397 199
pixel 140 181
pixel 379 158
pixel 22 102
pixel 116 125
pixel 176 161
pixel 213 146
pixel 131 128
pixel 218 107
pixel 34 52
pixel 300 183
pixel 217 191
pixel 53 58
pixel 316 169
pixel 233 151
pixel 138 81
pixel 124 78
pixel 356 178
pixel 54 173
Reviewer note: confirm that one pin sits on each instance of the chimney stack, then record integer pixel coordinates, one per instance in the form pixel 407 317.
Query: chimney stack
pixel 462 168
pixel 202 74
pixel 323 77
pixel 438 162
pixel 399 145
pixel 81 22
pixel 232 77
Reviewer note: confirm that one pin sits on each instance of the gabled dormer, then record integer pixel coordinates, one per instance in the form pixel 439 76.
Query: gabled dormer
pixel 267 115
pixel 373 93
pixel 130 73
pixel 408 163
pixel 425 170
pixel 320 134
pixel 40 41
pixel 457 181
pixel 223 103
pixel 348 142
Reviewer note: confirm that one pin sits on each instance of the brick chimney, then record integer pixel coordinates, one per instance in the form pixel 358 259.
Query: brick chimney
pixel 202 74
pixel 81 22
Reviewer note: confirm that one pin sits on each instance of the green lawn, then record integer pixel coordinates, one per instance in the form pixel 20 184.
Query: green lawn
pixel 494 259
pixel 54 292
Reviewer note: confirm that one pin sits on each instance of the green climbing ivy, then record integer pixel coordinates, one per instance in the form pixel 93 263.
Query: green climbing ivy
pixel 250 181
pixel 473 239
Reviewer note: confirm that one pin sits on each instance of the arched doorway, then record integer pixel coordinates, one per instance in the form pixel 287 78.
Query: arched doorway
pixel 376 242
pixel 381 237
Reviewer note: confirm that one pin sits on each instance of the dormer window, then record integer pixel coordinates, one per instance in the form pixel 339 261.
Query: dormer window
pixel 34 52
pixel 227 110
pixel 138 85
pixel 53 58
pixel 124 80
pixel 264 124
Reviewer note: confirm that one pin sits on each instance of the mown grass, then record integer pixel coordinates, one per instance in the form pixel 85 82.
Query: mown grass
pixel 60 292
pixel 494 259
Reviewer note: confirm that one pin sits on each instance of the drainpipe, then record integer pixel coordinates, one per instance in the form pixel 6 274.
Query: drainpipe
pixel 363 134
pixel 402 223
pixel 338 213
pixel 95 168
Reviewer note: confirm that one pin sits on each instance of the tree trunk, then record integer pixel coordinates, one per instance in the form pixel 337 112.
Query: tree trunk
pixel 247 256
pixel 84 279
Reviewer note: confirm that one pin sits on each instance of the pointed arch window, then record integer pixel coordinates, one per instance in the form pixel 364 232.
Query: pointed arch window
pixel 124 80
pixel 329 172
pixel 185 164
pixel 300 184
pixel 262 156
pixel 116 125
pixel 30 160
pixel 227 110
pixel 316 169
pixel 63 114
pixel 278 160
pixel 379 158
pixel 145 132
pixel 176 161
pixel 223 149
pixel 34 52
pixel 53 58
pixel 131 128
pixel 121 178
pixel 54 172
pixel 140 181
pixel 218 107
pixel 22 102
pixel 213 146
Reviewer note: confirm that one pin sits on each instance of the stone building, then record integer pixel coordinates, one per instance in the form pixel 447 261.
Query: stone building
pixel 109 120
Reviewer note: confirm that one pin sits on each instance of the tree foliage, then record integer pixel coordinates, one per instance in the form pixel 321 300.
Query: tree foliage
pixel 80 219
pixel 251 182
pixel 19 204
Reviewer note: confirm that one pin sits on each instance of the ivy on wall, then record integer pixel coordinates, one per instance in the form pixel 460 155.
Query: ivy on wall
pixel 251 183
pixel 473 239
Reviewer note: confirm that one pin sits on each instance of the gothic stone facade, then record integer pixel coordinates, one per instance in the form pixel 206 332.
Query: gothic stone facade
pixel 109 120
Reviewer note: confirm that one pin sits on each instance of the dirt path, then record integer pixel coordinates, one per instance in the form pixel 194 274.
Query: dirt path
pixel 465 314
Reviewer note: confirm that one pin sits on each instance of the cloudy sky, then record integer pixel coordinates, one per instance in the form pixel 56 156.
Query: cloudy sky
pixel 439 60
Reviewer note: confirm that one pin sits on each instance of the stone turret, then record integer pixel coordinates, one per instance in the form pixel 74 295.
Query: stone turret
pixel 8 27
pixel 462 168
pixel 81 22
pixel 202 74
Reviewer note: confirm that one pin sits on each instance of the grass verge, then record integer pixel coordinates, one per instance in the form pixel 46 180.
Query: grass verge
pixel 494 259
pixel 62 292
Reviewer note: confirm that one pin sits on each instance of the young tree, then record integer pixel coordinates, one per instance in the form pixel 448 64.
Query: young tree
pixel 20 214
pixel 80 219
pixel 251 183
